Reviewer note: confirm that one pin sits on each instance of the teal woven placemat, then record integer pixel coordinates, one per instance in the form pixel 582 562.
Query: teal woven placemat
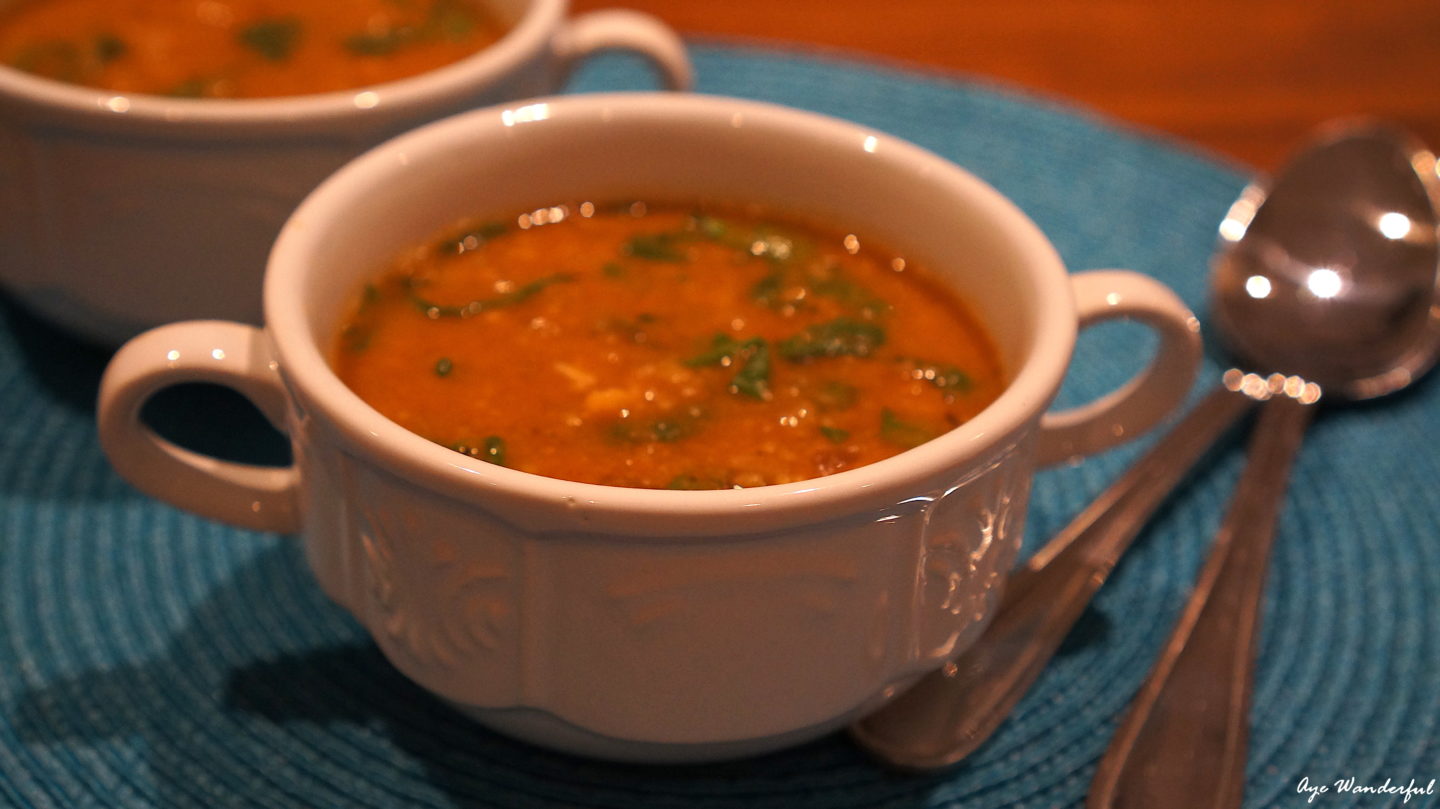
pixel 153 659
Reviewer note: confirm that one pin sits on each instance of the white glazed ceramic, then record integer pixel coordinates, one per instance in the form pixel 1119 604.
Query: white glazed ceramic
pixel 642 624
pixel 118 212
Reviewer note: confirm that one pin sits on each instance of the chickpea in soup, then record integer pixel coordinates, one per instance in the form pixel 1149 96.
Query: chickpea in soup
pixel 239 48
pixel 665 347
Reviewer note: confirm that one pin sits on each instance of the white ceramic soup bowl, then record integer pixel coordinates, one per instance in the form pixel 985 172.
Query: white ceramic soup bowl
pixel 642 624
pixel 121 212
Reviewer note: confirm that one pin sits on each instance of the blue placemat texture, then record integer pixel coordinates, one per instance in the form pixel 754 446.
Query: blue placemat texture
pixel 149 658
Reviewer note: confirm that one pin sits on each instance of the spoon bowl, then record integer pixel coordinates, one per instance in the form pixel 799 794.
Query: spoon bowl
pixel 1330 273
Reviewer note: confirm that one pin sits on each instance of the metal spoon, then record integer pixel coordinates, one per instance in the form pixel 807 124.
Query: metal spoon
pixel 949 713
pixel 1335 282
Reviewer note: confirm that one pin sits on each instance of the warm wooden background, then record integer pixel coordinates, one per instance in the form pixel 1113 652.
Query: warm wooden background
pixel 1244 78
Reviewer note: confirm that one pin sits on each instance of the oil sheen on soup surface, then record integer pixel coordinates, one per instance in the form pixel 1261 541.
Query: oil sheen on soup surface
pixel 665 347
pixel 239 48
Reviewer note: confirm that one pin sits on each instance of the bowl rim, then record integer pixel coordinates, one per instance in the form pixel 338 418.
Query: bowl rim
pixel 909 476
pixel 374 105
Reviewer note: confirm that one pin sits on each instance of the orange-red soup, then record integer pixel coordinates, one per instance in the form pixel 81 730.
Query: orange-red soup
pixel 665 348
pixel 239 48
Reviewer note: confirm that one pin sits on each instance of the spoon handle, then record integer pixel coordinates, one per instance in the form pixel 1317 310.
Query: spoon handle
pixel 1183 743
pixel 950 712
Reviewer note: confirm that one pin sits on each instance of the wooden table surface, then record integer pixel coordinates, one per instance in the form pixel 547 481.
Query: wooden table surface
pixel 1242 78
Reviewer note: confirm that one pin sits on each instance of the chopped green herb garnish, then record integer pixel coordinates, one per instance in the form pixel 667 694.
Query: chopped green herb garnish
pixel 695 483
pixel 435 311
pixel 722 347
pixel 668 431
pixel 443 367
pixel 766 241
pixel 665 429
pixel 449 19
pixel 903 433
pixel 663 246
pixel 835 435
pixel 709 227
pixel 490 449
pixel 752 355
pixel 53 59
pixel 66 61
pixel 835 395
pixel 452 20
pixel 821 281
pixel 380 43
pixel 945 377
pixel 766 291
pixel 632 329
pixel 850 294
pixel 753 378
pixel 191 88
pixel 842 336
pixel 108 48
pixel 275 39
pixel 356 337
pixel 613 269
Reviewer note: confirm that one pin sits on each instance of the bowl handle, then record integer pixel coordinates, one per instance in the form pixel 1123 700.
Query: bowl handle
pixel 261 498
pixel 620 29
pixel 1150 395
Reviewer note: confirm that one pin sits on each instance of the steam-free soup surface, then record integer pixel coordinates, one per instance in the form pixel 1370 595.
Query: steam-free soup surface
pixel 239 48
pixel 665 347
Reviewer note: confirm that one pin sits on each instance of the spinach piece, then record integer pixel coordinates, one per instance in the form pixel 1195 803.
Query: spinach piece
pixel 903 433
pixel 753 356
pixel 108 48
pixel 66 61
pixel 690 482
pixel 443 367
pixel 850 294
pixel 835 395
pixel 452 20
pixel 667 431
pixel 827 282
pixel 435 311
pixel 834 435
pixel 630 329
pixel 766 291
pixel 274 39
pixel 663 430
pixel 722 347
pixel 448 19
pixel 767 242
pixel 490 449
pixel 192 88
pixel 380 43
pixel 753 378
pixel 664 246
pixel 53 59
pixel 709 227
pixel 843 336
pixel 356 338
